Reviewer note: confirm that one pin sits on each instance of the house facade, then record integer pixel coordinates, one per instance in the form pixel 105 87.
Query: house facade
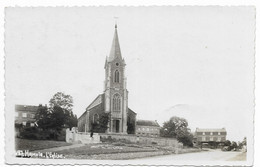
pixel 25 115
pixel 208 136
pixel 147 128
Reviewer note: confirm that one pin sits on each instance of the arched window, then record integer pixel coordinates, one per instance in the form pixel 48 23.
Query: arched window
pixel 95 118
pixel 116 76
pixel 116 102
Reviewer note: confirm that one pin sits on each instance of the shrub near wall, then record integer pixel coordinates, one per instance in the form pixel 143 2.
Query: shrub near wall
pixel 33 133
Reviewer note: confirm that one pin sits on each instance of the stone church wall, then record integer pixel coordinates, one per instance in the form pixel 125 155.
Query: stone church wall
pixel 143 140
pixel 99 109
pixel 82 121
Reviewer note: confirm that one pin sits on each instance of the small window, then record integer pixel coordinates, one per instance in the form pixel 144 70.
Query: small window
pixel 96 118
pixel 32 115
pixel 24 115
pixel 116 76
pixel 32 124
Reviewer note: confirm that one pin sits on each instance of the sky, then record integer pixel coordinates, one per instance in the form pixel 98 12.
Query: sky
pixel 192 62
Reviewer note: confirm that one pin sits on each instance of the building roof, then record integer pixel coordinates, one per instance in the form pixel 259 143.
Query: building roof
pixel 147 123
pixel 97 101
pixel 129 110
pixel 115 49
pixel 211 130
pixel 26 108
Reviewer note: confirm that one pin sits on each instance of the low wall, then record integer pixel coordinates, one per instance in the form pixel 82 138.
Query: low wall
pixel 142 139
pixel 72 136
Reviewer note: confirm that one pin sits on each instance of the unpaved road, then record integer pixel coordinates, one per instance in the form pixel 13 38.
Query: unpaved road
pixel 210 155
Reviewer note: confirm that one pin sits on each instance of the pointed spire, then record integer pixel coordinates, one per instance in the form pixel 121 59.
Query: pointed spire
pixel 115 49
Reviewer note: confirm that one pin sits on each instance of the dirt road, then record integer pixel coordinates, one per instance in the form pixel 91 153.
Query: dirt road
pixel 210 155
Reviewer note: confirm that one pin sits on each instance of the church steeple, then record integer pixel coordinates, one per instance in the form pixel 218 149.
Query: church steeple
pixel 115 49
pixel 116 94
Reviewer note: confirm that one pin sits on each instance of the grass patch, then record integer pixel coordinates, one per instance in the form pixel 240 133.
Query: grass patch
pixel 103 149
pixel 31 145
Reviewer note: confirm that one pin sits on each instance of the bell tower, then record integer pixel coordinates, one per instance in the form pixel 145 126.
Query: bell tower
pixel 116 94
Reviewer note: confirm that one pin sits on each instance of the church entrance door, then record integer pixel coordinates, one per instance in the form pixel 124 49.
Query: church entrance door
pixel 116 126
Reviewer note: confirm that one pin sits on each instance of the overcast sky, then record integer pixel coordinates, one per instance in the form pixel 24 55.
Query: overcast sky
pixel 191 62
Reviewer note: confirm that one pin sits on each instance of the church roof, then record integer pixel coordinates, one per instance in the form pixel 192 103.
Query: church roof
pixel 115 49
pixel 97 101
pixel 147 123
pixel 129 110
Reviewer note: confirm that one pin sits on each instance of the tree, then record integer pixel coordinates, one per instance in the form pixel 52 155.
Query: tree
pixel 185 137
pixel 65 102
pixel 244 141
pixel 62 100
pixel 101 125
pixel 233 145
pixel 130 127
pixel 227 143
pixel 58 118
pixel 72 121
pixel 239 145
pixel 168 129
pixel 43 118
pixel 177 128
pixel 171 127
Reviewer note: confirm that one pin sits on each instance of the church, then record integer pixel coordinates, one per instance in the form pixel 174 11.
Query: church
pixel 113 102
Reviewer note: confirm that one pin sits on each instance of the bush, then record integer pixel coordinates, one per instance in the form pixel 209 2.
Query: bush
pixel 226 148
pixel 119 144
pixel 62 135
pixel 107 139
pixel 38 134
pixel 29 135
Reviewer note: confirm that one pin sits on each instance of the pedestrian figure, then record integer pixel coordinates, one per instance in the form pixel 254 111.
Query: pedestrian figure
pixel 91 133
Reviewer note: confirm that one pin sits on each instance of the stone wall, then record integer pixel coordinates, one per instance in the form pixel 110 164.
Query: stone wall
pixel 142 139
pixel 72 136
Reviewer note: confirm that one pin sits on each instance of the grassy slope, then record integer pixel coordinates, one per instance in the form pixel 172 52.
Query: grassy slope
pixel 31 145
